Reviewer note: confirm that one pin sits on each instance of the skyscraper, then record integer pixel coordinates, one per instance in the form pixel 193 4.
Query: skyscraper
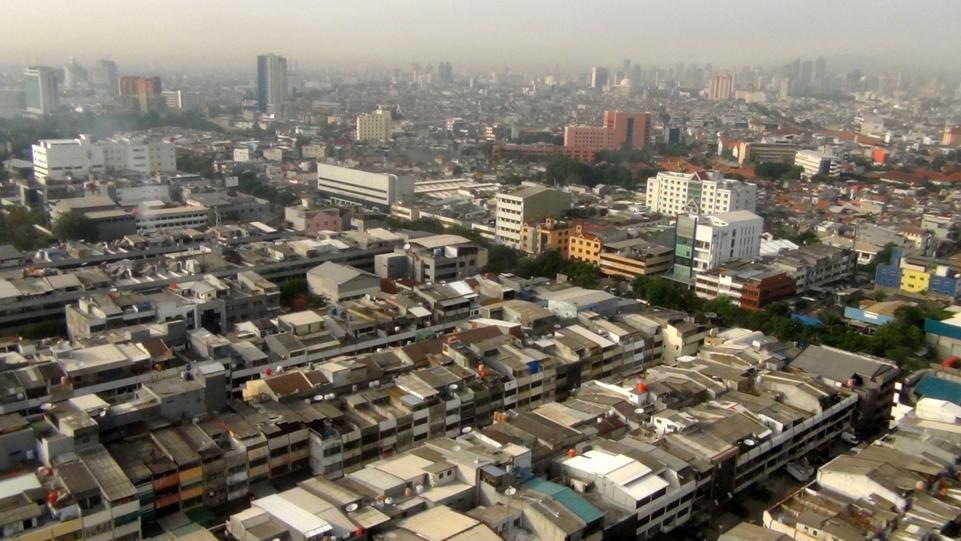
pixel 721 86
pixel 40 90
pixel 598 77
pixel 141 93
pixel 104 77
pixel 271 83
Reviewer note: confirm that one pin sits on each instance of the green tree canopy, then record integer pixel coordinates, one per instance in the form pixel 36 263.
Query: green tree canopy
pixel 73 225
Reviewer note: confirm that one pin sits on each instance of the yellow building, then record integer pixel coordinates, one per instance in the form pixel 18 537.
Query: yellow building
pixel 375 126
pixel 914 281
pixel 551 234
pixel 584 246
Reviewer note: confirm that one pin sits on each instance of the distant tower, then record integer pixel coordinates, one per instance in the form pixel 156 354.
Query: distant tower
pixel 40 90
pixel 104 77
pixel 721 86
pixel 271 83
pixel 598 77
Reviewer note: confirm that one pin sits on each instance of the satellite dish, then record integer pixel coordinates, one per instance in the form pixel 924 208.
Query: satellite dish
pixel 452 387
pixel 388 500
pixel 351 507
pixel 466 430
pixel 510 491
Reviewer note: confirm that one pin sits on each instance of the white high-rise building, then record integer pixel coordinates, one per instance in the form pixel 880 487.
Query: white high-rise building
pixel 704 242
pixel 40 91
pixel 374 126
pixel 57 159
pixel 674 193
pixel 271 83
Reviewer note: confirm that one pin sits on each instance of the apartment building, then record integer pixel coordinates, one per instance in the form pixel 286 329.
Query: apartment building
pixel 550 234
pixel 674 193
pixel 816 265
pixel 374 126
pixel 705 242
pixel 529 204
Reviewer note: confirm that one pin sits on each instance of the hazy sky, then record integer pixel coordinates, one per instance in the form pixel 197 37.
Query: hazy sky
pixel 478 33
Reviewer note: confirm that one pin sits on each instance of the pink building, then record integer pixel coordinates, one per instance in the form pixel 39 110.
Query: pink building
pixel 312 221
pixel 619 130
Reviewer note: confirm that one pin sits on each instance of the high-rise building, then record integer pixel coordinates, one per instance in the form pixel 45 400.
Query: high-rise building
pixel 820 80
pixel 620 129
pixel 40 90
pixel 374 126
pixel 445 73
pixel 141 93
pixel 705 241
pixel 271 83
pixel 104 77
pixel 598 77
pixel 180 100
pixel 74 74
pixel 721 86
pixel 701 193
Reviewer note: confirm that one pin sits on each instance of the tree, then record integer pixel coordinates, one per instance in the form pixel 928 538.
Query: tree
pixel 17 228
pixel 501 259
pixel 74 225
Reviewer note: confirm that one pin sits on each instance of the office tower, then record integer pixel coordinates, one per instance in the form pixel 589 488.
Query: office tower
pixel 673 193
pixel 180 100
pixel 636 75
pixel 626 67
pixel 271 83
pixel 807 73
pixel 598 77
pixel 74 75
pixel 40 90
pixel 141 94
pixel 104 77
pixel 721 86
pixel 445 73
pixel 375 126
pixel 820 75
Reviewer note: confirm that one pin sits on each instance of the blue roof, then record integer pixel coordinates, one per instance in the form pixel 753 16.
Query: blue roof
pixel 568 498
pixel 941 389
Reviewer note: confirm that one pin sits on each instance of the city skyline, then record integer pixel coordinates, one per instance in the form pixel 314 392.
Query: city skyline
pixel 488 36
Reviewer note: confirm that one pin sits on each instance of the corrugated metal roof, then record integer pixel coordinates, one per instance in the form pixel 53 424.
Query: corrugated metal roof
pixel 568 498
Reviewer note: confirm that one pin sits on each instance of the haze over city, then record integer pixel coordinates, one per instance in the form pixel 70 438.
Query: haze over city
pixel 480 270
pixel 483 35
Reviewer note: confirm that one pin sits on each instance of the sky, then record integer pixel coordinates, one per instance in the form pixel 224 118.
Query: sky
pixel 480 34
